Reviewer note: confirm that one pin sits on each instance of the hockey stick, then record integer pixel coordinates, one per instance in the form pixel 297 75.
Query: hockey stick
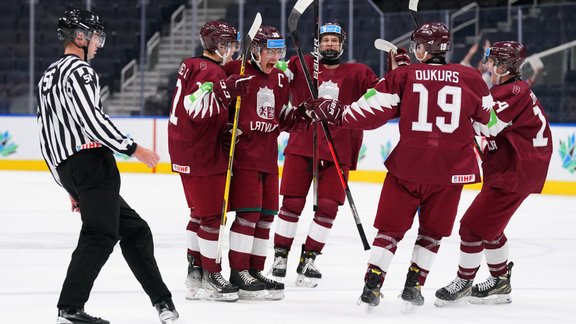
pixel 247 42
pixel 384 45
pixel 315 147
pixel 297 11
pixel 413 7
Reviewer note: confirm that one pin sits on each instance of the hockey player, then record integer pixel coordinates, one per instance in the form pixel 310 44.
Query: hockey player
pixel 515 165
pixel 196 153
pixel 434 158
pixel 264 113
pixel 337 80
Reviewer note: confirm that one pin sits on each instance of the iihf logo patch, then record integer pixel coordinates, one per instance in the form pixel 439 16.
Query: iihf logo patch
pixel 515 89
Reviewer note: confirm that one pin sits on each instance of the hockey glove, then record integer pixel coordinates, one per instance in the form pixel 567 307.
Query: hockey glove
pixel 398 58
pixel 326 110
pixel 303 117
pixel 235 85
pixel 226 137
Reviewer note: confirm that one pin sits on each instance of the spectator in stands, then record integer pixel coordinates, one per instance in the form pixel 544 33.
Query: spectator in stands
pixel 486 75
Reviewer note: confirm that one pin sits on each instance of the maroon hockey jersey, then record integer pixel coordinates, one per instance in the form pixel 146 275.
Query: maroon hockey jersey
pixel 194 139
pixel 347 82
pixel 435 104
pixel 519 142
pixel 264 113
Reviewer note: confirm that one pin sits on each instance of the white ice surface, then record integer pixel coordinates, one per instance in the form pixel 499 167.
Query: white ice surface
pixel 38 234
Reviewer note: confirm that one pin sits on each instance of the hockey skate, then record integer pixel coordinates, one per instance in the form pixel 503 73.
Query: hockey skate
pixel 217 288
pixel 495 290
pixel 371 294
pixel 280 263
pixel 274 288
pixel 454 293
pixel 249 287
pixel 78 316
pixel 166 311
pixel 308 274
pixel 193 280
pixel 412 294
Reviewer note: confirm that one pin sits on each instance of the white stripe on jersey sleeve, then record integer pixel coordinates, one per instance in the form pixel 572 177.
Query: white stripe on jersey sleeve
pixel 371 102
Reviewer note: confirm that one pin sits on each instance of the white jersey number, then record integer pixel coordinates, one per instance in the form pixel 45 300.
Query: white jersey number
pixel 540 140
pixel 173 118
pixel 422 125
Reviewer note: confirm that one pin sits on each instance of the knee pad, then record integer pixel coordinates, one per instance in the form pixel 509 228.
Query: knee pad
pixel 210 222
pixel 293 205
pixel 326 212
pixel 327 208
pixel 467 235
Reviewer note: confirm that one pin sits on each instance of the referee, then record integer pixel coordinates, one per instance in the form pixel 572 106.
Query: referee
pixel 77 141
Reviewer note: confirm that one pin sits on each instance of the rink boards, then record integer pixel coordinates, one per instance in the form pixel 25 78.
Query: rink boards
pixel 19 150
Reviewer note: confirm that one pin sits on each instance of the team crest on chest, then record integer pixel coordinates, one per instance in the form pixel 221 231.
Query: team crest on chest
pixel 265 103
pixel 328 90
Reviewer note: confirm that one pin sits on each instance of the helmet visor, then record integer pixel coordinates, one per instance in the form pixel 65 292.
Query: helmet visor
pixel 97 36
pixel 275 47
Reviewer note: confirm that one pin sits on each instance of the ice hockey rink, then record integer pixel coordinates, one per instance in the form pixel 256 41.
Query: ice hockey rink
pixel 38 234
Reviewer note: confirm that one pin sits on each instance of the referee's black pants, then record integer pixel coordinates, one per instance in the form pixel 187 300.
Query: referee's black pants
pixel 92 178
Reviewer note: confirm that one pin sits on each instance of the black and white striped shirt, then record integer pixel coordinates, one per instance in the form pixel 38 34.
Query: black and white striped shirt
pixel 70 116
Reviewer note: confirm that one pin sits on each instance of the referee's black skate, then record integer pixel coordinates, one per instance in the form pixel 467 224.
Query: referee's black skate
pixel 166 311
pixel 78 316
pixel 371 294
pixel 412 294
pixel 308 274
pixel 495 290
pixel 249 287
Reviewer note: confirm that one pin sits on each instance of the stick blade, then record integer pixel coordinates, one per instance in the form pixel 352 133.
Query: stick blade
pixel 250 36
pixel 535 62
pixel 296 12
pixel 384 45
pixel 255 26
pixel 413 5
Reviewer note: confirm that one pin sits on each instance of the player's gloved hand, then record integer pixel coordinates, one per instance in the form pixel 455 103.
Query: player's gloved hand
pixel 396 59
pixel 303 117
pixel 326 110
pixel 226 138
pixel 235 85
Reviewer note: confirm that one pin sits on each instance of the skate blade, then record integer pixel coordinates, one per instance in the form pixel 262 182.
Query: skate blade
pixel 365 308
pixel 194 294
pixel 491 300
pixel 303 281
pixel 222 297
pixel 252 295
pixel 275 295
pixel 167 317
pixel 408 307
pixel 454 303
